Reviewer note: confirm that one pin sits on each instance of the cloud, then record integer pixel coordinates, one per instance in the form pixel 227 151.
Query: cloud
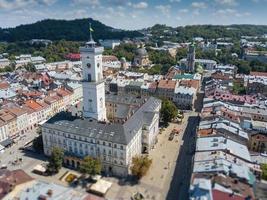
pixel 198 5
pixel 88 2
pixel 175 1
pixel 227 2
pixel 164 9
pixel 140 5
pixel 183 10
pixel 18 4
pixel 231 13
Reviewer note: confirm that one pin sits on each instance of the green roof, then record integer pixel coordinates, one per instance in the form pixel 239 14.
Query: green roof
pixel 183 76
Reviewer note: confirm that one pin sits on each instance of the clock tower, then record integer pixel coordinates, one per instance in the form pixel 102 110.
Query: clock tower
pixel 93 83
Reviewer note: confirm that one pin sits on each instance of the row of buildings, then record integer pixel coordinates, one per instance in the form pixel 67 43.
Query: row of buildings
pixel 30 100
pixel 231 130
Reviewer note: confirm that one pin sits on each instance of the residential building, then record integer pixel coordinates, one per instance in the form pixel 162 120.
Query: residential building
pixel 258 142
pixel 110 44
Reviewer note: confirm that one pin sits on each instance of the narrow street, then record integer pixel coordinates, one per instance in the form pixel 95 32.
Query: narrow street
pixel 180 183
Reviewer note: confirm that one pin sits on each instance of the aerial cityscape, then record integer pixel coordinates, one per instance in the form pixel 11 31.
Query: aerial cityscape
pixel 133 100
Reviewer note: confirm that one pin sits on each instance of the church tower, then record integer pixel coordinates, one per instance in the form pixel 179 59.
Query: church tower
pixel 93 83
pixel 191 56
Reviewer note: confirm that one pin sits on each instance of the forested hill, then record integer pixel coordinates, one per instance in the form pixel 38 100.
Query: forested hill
pixel 185 33
pixel 74 30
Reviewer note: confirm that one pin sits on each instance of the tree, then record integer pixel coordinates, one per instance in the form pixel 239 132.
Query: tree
pixel 38 144
pixel 264 171
pixel 168 111
pixel 55 160
pixel 90 166
pixel 140 166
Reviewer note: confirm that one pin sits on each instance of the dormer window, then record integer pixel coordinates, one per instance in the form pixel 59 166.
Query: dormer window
pixel 89 65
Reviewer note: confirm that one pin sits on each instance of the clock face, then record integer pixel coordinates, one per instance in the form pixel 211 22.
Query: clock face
pixel 89 65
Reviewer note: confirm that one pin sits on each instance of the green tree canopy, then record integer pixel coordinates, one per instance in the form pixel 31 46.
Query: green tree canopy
pixel 168 111
pixel 55 160
pixel 90 166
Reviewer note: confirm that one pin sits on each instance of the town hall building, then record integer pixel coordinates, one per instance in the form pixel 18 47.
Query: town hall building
pixel 113 130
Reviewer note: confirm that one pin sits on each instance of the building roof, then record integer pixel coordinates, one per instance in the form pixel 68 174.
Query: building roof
pixel 116 133
pixel 33 105
pixel 43 190
pixel 224 144
pixel 10 179
pixel 258 74
pixel 4 85
pixel 167 84
pixel 183 76
pixel 189 83
pixel 220 195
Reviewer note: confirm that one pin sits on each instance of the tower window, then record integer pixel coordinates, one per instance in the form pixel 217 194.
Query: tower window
pixel 98 65
pixel 89 77
pixel 89 65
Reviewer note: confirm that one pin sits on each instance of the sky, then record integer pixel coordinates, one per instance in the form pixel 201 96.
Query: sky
pixel 136 14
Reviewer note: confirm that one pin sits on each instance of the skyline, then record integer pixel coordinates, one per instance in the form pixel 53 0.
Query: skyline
pixel 136 14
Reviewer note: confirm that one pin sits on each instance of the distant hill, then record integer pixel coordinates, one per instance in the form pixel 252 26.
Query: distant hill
pixel 73 30
pixel 185 33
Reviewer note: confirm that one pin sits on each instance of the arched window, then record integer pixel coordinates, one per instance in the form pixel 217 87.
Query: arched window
pixel 98 65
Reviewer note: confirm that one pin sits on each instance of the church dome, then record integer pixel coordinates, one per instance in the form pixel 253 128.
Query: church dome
pixel 141 52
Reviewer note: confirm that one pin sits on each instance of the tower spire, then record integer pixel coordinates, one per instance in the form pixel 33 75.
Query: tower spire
pixel 91 30
pixel 91 43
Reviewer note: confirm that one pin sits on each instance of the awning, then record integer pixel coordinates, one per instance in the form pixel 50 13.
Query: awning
pixel 6 142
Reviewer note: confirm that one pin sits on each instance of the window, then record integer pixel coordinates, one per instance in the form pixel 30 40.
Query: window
pixel 109 144
pixel 104 143
pixel 89 65
pixel 98 65
pixel 89 78
pixel 121 147
pixel 90 105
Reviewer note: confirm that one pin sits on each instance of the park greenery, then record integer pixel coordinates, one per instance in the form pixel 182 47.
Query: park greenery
pixel 90 166
pixel 168 111
pixel 55 160
pixel 264 171
pixel 140 166
pixel 239 88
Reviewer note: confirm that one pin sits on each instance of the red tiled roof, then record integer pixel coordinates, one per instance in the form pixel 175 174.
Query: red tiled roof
pixel 190 83
pixel 167 84
pixel 219 195
pixel 4 85
pixel 33 105
pixel 258 73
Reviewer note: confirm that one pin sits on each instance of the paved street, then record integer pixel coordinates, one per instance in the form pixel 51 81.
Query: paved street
pixel 163 180
pixel 181 178
pixel 14 153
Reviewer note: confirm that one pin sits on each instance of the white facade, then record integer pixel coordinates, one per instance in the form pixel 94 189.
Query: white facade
pixel 93 84
pixel 115 157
